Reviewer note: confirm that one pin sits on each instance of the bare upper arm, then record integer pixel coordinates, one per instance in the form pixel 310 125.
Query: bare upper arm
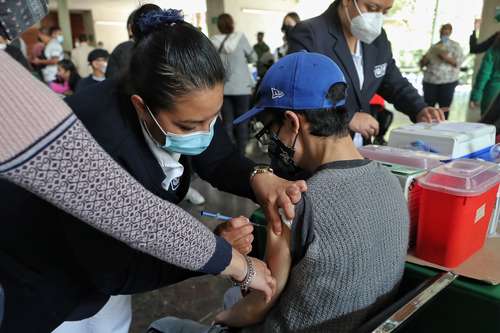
pixel 253 308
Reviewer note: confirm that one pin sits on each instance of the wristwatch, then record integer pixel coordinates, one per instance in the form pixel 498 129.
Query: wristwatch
pixel 260 168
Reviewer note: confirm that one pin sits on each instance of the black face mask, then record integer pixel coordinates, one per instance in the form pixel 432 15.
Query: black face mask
pixel 282 158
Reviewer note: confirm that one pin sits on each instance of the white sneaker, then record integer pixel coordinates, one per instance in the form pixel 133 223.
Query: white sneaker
pixel 194 197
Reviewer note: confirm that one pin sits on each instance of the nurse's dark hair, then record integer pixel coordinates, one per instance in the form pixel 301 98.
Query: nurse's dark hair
pixel 170 59
pixel 322 122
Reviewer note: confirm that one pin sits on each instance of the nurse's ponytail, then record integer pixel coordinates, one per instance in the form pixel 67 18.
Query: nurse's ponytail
pixel 171 58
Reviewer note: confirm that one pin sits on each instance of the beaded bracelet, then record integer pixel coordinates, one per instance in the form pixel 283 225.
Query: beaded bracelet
pixel 245 284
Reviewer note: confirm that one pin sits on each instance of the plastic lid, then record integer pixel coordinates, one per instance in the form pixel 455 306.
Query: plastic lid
pixel 462 177
pixel 412 158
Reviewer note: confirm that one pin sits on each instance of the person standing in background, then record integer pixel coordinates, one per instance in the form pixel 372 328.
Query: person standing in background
pixel 289 22
pixel 487 85
pixel 261 47
pixel 350 32
pixel 66 80
pixel 120 56
pixel 80 54
pixel 98 61
pixel 236 53
pixel 441 66
pixel 476 48
pixel 53 53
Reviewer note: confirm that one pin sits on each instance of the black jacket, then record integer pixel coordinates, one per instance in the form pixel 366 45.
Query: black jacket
pixel 323 34
pixel 55 268
pixel 476 47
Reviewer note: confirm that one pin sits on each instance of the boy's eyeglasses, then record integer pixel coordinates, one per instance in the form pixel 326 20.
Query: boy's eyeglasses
pixel 267 137
pixel 264 135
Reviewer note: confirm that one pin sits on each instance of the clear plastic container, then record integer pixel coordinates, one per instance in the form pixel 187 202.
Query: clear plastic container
pixel 462 177
pixel 412 158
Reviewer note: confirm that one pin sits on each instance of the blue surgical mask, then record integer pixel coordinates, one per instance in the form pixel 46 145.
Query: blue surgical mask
pixel 185 144
pixel 60 39
pixel 445 39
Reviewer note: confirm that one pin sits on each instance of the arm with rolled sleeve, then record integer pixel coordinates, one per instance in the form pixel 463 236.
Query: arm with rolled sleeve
pixel 223 166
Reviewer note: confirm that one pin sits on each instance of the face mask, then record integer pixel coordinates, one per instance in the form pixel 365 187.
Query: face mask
pixel 103 68
pixel 281 156
pixel 185 144
pixel 3 46
pixel 366 26
pixel 18 16
pixel 445 39
pixel 60 39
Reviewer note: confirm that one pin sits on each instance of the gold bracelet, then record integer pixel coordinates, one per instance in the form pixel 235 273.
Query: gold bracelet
pixel 261 169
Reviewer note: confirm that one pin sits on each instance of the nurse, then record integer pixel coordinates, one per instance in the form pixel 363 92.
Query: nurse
pixel 350 32
pixel 161 122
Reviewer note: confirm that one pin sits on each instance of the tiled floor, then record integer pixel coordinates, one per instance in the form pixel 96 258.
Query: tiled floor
pixel 201 298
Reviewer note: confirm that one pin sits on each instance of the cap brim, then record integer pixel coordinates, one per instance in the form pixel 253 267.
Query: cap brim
pixel 247 115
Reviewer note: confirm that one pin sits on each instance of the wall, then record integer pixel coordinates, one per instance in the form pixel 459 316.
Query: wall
pixel 252 16
pixel 110 16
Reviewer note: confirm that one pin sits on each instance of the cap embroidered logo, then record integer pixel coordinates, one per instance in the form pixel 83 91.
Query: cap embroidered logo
pixel 276 93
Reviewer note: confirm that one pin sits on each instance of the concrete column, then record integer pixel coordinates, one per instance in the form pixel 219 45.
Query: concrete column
pixel 65 24
pixel 214 9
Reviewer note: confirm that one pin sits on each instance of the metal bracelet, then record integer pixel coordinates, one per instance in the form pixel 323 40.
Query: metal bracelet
pixel 245 284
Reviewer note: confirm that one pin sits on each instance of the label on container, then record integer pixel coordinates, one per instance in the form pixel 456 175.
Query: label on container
pixel 480 212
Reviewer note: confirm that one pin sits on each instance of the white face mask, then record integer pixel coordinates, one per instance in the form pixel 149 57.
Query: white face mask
pixel 3 46
pixel 366 26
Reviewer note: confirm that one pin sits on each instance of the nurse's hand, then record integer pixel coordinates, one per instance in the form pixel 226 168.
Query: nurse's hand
pixel 238 233
pixel 473 105
pixel 364 124
pixel 273 192
pixel 430 114
pixel 263 280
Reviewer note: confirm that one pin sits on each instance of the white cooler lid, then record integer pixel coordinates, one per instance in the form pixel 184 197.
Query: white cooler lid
pixel 413 158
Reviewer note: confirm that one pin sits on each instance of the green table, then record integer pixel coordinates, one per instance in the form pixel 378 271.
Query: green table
pixel 467 306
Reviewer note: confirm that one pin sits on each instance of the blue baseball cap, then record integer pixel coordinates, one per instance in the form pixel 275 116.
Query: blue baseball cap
pixel 299 81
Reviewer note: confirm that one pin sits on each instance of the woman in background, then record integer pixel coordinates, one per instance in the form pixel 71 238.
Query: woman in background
pixel 236 53
pixel 67 78
pixel 289 22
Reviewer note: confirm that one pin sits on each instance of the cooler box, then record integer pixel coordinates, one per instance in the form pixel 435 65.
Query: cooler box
pixel 455 140
pixel 412 158
pixel 456 204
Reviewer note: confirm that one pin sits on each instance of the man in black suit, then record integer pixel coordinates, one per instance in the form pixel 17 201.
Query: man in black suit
pixel 350 32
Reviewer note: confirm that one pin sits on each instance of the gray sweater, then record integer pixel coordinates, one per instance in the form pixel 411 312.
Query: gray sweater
pixel 349 243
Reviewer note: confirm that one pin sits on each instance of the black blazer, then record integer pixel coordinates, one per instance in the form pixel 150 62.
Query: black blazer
pixel 55 268
pixel 323 34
